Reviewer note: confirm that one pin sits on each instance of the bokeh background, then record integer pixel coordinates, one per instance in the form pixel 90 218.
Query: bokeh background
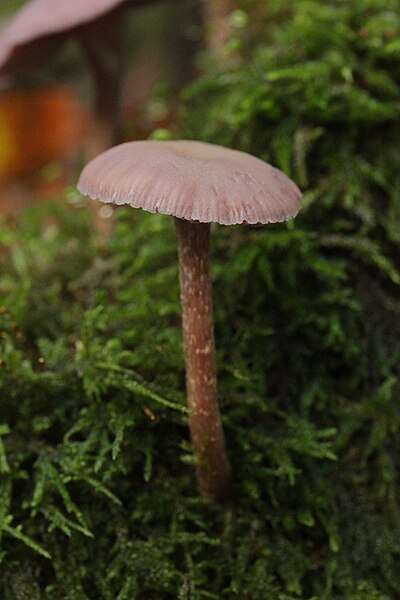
pixel 45 115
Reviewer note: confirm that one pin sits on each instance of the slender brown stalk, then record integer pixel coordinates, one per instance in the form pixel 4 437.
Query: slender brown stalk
pixel 102 44
pixel 213 469
pixel 101 41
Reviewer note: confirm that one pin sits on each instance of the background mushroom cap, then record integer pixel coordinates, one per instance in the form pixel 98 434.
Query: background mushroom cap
pixel 41 21
pixel 192 180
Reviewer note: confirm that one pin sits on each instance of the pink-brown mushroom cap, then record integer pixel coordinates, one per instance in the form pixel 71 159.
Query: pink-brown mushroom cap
pixel 42 19
pixel 192 180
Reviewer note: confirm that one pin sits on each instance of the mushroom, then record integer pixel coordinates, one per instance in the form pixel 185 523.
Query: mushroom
pixel 197 183
pixel 41 27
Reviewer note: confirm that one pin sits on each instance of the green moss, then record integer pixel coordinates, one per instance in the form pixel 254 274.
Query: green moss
pixel 95 461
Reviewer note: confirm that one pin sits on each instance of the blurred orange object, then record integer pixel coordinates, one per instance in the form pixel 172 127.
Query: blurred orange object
pixel 38 127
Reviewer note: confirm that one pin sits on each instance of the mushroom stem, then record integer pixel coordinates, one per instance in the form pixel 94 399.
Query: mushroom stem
pixel 213 468
pixel 102 44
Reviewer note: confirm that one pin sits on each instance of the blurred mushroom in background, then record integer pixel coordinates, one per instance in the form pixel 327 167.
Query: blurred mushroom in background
pixel 35 48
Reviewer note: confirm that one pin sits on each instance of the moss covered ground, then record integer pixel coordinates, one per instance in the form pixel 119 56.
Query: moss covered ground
pixel 98 498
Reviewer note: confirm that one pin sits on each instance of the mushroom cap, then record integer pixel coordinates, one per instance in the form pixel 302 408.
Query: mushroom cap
pixel 192 180
pixel 42 24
